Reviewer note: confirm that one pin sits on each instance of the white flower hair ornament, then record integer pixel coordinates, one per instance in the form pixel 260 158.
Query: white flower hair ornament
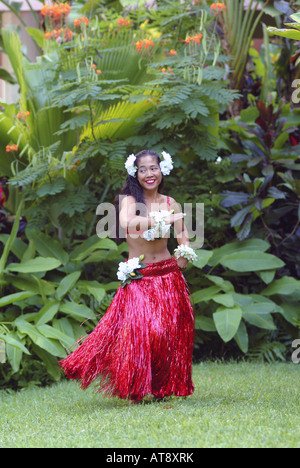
pixel 166 165
pixel 130 166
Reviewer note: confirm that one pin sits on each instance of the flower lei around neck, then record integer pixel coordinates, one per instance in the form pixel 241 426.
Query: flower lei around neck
pixel 166 165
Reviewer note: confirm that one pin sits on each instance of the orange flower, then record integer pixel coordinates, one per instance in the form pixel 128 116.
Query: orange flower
pixel 82 19
pixel 48 35
pixel 68 34
pixel 65 34
pixel 23 115
pixel 164 70
pixel 123 22
pixel 99 72
pixel 94 66
pixel 45 10
pixel 146 43
pixel 172 52
pixel 139 45
pixel 56 11
pixel 218 7
pixel 57 33
pixel 10 148
pixel 195 39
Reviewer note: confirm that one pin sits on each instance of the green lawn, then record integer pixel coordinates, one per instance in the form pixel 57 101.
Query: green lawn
pixel 234 405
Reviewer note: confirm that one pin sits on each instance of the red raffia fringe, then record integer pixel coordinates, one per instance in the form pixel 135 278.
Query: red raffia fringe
pixel 144 342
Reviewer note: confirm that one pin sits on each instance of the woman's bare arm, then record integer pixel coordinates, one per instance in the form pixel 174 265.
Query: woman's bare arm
pixel 129 219
pixel 180 228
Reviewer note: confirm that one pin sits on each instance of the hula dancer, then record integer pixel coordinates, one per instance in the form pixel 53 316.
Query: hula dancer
pixel 143 345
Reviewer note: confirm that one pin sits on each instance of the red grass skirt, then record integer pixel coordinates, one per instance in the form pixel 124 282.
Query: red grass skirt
pixel 144 342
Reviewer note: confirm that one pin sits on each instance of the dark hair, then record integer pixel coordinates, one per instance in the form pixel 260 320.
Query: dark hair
pixel 133 187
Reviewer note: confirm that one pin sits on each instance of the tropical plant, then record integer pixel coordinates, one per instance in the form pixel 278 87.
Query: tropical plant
pixel 46 296
pixel 230 302
pixel 264 185
pixel 292 32
pixel 238 25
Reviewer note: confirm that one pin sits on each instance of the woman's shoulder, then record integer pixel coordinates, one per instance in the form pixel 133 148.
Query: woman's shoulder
pixel 127 200
pixel 169 200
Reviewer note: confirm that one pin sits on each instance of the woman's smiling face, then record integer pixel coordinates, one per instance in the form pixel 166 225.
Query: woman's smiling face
pixel 149 174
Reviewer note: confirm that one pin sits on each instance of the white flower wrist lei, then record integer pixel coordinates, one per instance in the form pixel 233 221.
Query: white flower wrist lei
pixel 160 228
pixel 186 252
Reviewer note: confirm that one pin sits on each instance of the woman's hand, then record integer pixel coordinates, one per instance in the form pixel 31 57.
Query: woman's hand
pixel 182 263
pixel 171 219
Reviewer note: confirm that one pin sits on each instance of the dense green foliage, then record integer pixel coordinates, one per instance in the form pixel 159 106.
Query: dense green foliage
pixel 89 101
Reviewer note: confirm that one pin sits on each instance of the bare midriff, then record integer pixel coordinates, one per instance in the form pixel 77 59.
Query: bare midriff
pixel 154 251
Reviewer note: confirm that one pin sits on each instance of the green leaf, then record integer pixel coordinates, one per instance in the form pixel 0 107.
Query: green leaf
pixel 65 326
pixel 48 247
pixel 194 107
pixel 285 285
pixel 14 354
pixel 39 264
pixel 224 284
pixel 5 76
pixel 249 115
pixel 51 332
pixel 205 294
pixel 266 276
pixel 239 217
pixel 260 308
pixel 203 257
pixel 29 283
pixel 94 288
pixel 249 260
pixel 52 346
pixel 78 311
pixel 289 33
pixel 290 311
pixel 227 321
pixel 47 312
pixel 261 321
pixel 91 244
pixel 237 246
pixel 51 188
pixel 241 337
pixel 12 298
pixel 2 352
pixel 18 247
pixel 11 240
pixel 67 284
pixel 224 299
pixel 13 341
pixel 49 361
pixel 205 323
